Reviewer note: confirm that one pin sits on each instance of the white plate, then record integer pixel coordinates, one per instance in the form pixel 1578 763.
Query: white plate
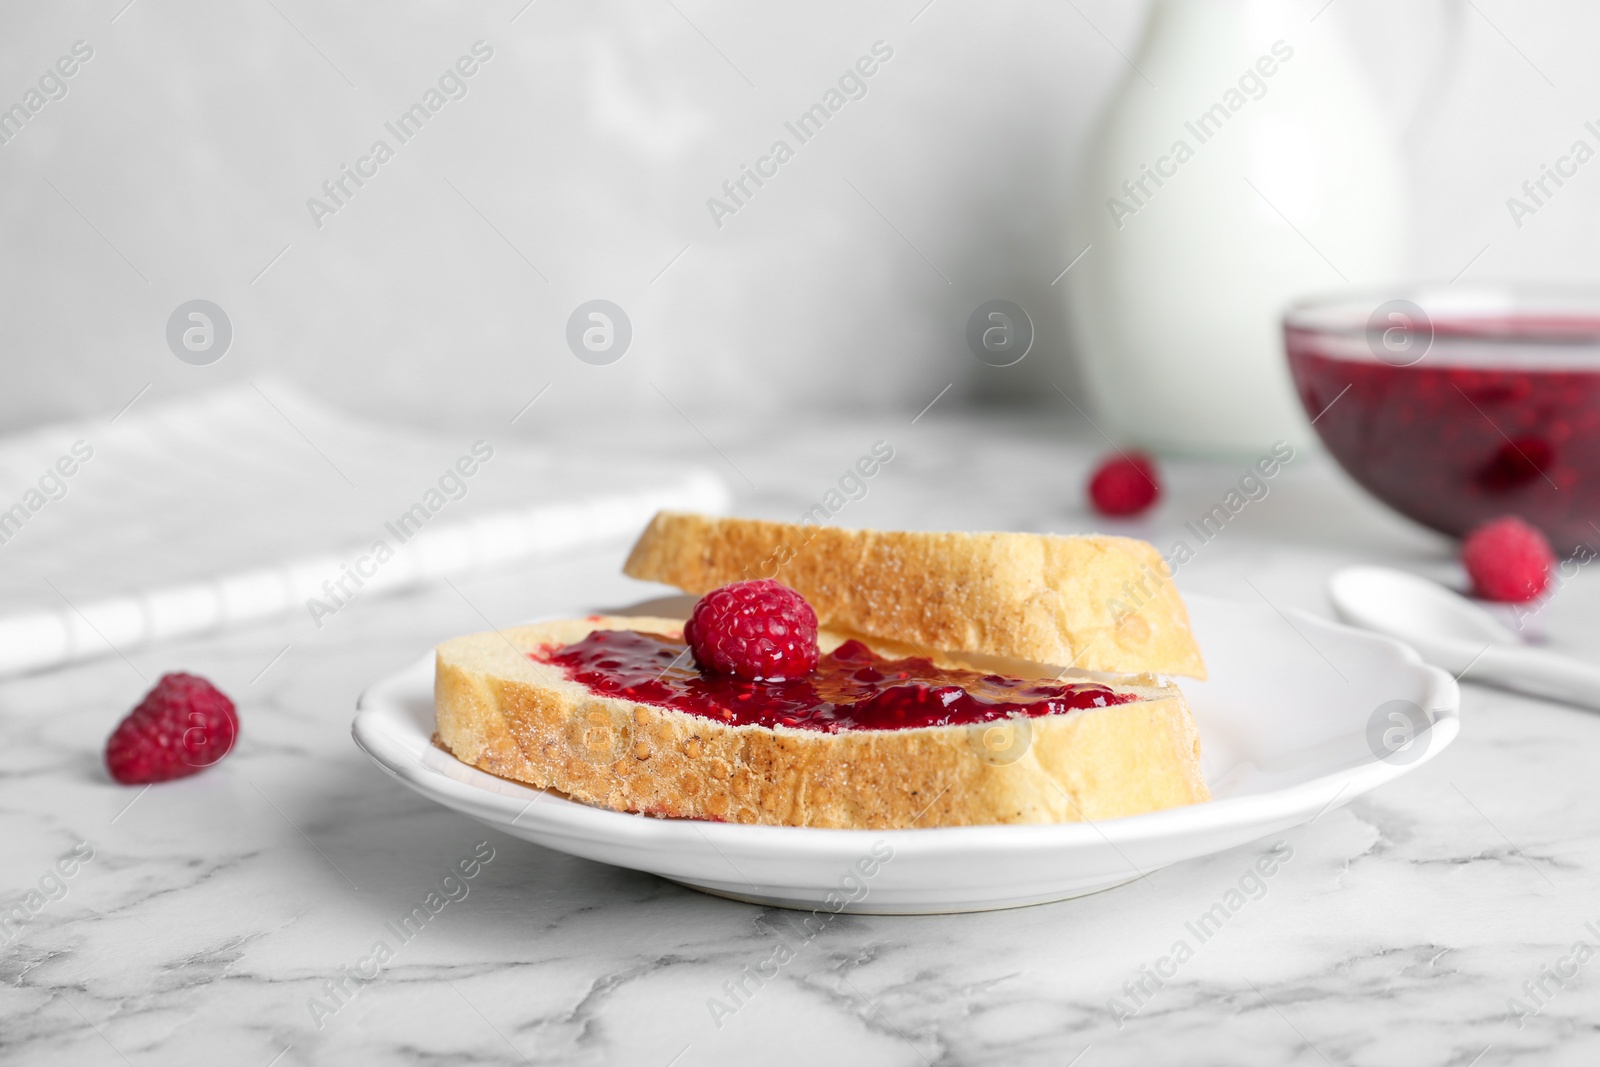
pixel 1299 718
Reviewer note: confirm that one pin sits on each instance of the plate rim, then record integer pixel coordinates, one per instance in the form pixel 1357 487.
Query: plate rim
pixel 1443 698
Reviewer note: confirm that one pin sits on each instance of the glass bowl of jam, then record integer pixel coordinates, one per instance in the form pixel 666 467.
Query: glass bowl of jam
pixel 1458 406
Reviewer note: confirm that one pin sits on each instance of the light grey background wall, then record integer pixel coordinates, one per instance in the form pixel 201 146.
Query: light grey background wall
pixel 578 165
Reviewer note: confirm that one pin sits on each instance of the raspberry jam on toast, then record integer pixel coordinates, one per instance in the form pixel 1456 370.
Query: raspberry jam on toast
pixel 852 687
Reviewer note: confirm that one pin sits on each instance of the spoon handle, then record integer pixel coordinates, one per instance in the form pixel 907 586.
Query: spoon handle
pixel 1540 672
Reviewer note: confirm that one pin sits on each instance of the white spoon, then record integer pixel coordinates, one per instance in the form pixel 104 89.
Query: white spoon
pixel 1452 632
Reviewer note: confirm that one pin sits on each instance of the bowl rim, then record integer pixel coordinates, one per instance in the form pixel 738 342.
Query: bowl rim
pixel 1517 327
pixel 1349 312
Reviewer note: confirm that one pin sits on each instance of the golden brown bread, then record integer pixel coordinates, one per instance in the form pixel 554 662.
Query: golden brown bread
pixel 520 718
pixel 1095 603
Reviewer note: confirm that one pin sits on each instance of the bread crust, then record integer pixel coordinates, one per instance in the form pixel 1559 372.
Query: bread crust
pixel 520 718
pixel 1095 603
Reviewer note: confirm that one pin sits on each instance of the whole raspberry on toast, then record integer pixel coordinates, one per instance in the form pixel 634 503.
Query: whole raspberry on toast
pixel 787 702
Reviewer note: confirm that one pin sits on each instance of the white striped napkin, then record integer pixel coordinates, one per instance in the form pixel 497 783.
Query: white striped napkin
pixel 210 510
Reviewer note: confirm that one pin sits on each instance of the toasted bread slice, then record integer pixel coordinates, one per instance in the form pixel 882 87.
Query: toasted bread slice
pixel 1094 603
pixel 506 713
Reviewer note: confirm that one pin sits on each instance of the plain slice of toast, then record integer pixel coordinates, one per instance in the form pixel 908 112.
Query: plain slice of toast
pixel 1093 603
pixel 520 718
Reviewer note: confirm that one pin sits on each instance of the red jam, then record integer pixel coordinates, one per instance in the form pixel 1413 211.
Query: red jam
pixel 1497 419
pixel 851 689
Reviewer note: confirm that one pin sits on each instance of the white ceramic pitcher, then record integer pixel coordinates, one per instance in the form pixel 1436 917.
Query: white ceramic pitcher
pixel 1243 164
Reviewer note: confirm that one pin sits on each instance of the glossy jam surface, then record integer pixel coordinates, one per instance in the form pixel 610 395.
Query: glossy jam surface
pixel 851 689
pixel 1490 422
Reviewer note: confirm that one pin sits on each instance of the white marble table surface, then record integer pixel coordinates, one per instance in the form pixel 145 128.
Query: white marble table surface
pixel 214 910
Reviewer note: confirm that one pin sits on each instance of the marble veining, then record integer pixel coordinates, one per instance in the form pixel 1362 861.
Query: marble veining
pixel 216 912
